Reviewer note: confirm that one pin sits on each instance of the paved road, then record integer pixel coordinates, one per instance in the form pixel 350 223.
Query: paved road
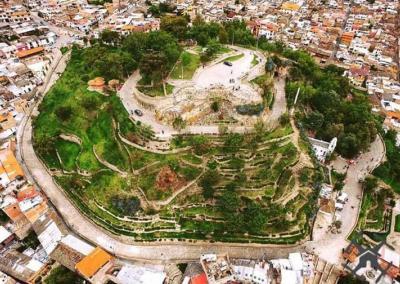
pixel 327 245
pixel 280 106
pixel 148 118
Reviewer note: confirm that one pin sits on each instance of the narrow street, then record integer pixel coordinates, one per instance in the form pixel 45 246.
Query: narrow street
pixel 349 216
pixel 280 106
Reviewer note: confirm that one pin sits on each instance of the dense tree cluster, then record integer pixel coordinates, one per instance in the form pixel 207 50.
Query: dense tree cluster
pixel 350 279
pixel 175 25
pixel 208 181
pixel 203 32
pixel 330 109
pixel 250 109
pixel 160 9
pixel 107 62
pixel 200 143
pixel 238 33
pixel 390 170
pixel 246 215
pixel 114 57
pixel 154 53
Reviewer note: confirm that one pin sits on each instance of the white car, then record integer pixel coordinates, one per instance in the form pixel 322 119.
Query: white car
pixel 343 197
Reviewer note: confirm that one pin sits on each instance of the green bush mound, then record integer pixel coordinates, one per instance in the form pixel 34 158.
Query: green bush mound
pixel 250 109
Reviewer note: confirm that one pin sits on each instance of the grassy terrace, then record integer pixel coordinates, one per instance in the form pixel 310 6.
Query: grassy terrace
pixel 255 60
pixel 157 90
pixel 374 218
pixel 265 82
pixel 233 188
pixel 389 171
pixel 234 58
pixel 186 66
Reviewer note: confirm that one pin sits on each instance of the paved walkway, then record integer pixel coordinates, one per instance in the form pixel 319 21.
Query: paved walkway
pixel 327 245
pixel 279 107
pixel 394 237
pixel 214 73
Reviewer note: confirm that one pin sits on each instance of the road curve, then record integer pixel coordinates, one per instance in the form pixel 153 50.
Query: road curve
pixel 364 165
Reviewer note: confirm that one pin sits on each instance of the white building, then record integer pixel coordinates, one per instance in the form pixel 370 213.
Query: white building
pixel 251 271
pixel 140 275
pixel 322 149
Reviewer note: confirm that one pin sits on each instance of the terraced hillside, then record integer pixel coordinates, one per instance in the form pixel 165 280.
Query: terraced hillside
pixel 253 187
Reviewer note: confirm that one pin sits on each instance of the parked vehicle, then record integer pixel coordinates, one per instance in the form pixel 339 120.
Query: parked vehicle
pixel 227 63
pixel 138 112
pixel 342 198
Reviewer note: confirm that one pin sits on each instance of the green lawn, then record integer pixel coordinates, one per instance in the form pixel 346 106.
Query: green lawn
pixel 233 58
pixel 187 65
pixel 260 80
pixel 156 91
pixel 192 159
pixel 68 152
pixel 255 60
pixel 70 108
pixel 224 50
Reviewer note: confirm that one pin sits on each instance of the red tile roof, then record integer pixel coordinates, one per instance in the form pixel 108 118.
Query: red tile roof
pixel 199 279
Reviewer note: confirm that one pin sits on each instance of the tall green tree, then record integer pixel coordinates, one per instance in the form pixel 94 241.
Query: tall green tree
pixel 110 37
pixel 175 25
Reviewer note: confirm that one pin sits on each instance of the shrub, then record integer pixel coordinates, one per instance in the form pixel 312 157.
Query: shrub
pixel 215 106
pixel 250 109
pixel 127 205
pixel 64 112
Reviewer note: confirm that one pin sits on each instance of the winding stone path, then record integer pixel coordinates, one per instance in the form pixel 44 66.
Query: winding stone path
pixel 109 165
pixel 71 138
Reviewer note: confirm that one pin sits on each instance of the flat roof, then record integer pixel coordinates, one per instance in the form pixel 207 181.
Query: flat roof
pixel 77 244
pixel 88 266
pixel 140 275
pixel 50 237
pixel 199 279
pixel 29 52
pixel 4 234
pixel 9 164
pixel 390 255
